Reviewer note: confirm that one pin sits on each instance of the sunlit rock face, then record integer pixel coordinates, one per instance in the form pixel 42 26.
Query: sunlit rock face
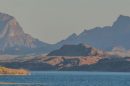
pixel 13 40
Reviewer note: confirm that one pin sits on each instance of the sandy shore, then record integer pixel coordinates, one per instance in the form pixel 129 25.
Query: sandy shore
pixel 7 83
pixel 10 71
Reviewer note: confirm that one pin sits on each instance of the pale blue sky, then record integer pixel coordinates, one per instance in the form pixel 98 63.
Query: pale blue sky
pixel 53 20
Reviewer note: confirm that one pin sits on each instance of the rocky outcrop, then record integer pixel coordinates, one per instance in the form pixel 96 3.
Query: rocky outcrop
pixel 65 63
pixel 41 62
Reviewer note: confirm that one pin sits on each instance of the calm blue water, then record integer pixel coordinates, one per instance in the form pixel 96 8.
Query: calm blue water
pixel 69 79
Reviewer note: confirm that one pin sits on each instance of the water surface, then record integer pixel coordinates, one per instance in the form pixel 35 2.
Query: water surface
pixel 54 78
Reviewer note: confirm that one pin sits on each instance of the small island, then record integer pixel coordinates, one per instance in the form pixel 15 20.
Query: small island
pixel 11 71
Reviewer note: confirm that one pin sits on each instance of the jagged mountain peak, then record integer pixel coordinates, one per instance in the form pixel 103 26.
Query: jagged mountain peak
pixel 123 17
pixel 105 38
pixel 5 17
pixel 13 40
pixel 122 22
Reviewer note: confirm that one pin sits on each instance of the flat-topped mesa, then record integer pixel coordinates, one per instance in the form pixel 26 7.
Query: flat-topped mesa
pixel 10 71
pixel 74 50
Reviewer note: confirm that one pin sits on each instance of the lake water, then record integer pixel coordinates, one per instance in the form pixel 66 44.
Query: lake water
pixel 53 78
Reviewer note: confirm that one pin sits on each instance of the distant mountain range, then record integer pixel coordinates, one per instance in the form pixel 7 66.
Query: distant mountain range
pixel 105 38
pixel 97 49
pixel 13 40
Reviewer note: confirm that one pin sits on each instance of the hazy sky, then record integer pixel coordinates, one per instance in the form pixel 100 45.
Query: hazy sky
pixel 53 20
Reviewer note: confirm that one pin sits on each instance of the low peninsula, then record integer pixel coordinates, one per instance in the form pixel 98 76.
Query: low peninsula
pixel 11 71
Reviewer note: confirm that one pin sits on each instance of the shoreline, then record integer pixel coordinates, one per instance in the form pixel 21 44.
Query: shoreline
pixel 7 83
pixel 11 71
pixel 15 74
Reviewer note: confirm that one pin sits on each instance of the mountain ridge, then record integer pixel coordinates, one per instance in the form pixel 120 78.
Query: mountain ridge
pixel 13 40
pixel 105 38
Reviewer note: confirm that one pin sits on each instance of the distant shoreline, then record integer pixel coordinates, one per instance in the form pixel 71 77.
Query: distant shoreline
pixel 10 71
pixel 14 74
pixel 7 83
